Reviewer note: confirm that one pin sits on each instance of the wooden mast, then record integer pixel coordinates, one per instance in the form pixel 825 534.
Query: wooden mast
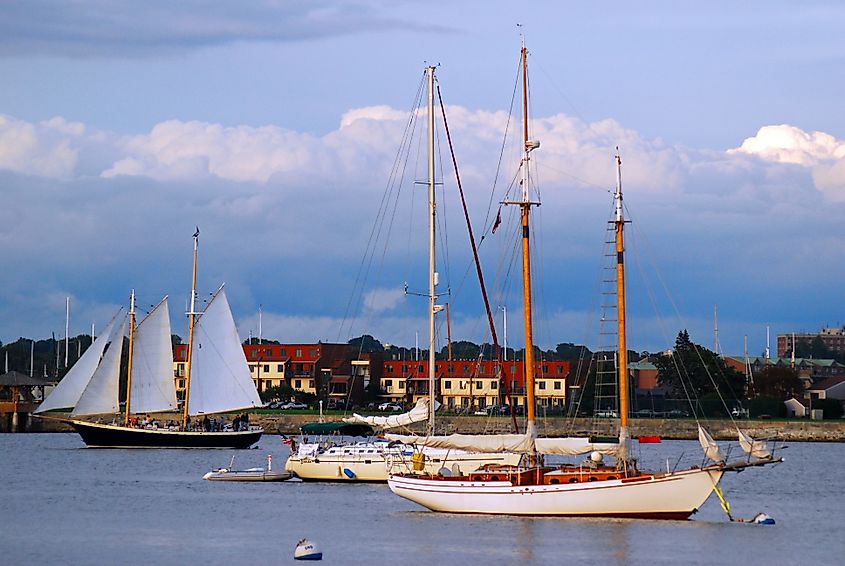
pixel 619 223
pixel 191 321
pixel 129 358
pixel 525 208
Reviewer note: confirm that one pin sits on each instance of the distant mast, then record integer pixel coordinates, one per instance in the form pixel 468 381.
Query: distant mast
pixel 192 317
pixel 128 408
pixel 67 328
pixel 717 348
pixel 622 370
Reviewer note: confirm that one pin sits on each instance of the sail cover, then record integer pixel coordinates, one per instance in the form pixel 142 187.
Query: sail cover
pixel 755 448
pixel 488 443
pixel 711 449
pixel 220 376
pixel 417 414
pixel 153 389
pixel 101 393
pixel 68 391
pixel 575 446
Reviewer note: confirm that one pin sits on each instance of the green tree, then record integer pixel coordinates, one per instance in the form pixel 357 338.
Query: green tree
pixel 691 370
pixel 779 382
pixel 366 344
pixel 570 351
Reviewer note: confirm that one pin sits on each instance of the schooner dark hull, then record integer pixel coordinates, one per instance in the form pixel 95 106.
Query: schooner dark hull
pixel 96 435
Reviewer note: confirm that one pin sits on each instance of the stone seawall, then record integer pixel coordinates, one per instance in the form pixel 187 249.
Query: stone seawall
pixel 678 429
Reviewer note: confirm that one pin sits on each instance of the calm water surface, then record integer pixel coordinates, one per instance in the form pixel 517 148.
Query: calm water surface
pixel 64 503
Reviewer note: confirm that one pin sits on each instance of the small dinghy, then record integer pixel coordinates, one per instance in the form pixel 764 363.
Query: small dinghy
pixel 307 550
pixel 249 474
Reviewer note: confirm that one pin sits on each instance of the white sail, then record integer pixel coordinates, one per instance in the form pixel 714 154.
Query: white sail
pixel 415 415
pixel 519 443
pixel 575 446
pixel 711 449
pixel 153 389
pixel 68 391
pixel 756 448
pixel 220 376
pixel 101 393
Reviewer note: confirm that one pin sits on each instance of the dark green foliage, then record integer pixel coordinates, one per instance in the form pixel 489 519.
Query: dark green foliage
pixel 778 382
pixel 570 351
pixel 831 408
pixel 763 405
pixel 366 344
pixel 694 371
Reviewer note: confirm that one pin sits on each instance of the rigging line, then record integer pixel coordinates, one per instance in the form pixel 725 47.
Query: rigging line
pixel 375 231
pixel 557 88
pixel 504 143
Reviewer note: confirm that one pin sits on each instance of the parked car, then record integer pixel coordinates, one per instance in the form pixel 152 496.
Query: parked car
pixel 644 413
pixel 677 413
pixel 293 405
pixel 392 407
pixel 607 414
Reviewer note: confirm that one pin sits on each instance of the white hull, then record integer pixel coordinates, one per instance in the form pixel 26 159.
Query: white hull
pixel 374 462
pixel 668 496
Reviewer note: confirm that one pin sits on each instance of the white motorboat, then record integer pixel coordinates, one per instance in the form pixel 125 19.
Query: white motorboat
pixel 249 474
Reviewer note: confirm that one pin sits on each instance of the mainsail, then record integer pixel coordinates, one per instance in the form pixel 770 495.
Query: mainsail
pixel 153 388
pixel 418 413
pixel 755 448
pixel 67 393
pixel 220 376
pixel 101 393
pixel 711 449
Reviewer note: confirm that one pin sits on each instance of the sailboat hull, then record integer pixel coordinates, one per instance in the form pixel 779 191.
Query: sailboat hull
pixel 96 435
pixel 670 496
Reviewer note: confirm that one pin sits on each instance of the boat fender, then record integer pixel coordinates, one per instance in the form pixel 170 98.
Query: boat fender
pixel 349 473
pixel 307 550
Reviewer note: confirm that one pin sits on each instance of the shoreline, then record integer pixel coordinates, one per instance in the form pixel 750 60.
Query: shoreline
pixel 667 429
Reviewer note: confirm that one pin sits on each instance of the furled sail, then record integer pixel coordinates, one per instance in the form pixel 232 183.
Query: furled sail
pixel 756 448
pixel 153 389
pixel 67 393
pixel 575 446
pixel 417 414
pixel 489 443
pixel 101 393
pixel 220 376
pixel 711 449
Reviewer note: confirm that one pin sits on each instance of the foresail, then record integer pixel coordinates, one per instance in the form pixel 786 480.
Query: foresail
pixel 153 388
pixel 68 391
pixel 220 377
pixel 755 448
pixel 101 393
pixel 489 443
pixel 417 414
pixel 711 449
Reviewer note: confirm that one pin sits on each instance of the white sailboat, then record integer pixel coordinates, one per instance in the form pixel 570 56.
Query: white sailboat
pixel 375 460
pixel 218 380
pixel 592 488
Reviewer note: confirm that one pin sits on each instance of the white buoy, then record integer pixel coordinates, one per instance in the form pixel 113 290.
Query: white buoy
pixel 307 550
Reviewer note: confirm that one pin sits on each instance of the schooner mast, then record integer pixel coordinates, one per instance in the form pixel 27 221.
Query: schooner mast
pixel 128 409
pixel 433 307
pixel 192 317
pixel 622 370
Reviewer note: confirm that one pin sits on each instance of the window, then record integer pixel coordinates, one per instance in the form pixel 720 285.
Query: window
pixel 267 368
pixel 180 370
pixel 252 368
pixel 560 369
pixel 421 368
pixel 542 385
pixel 545 369
pixel 298 353
pixel 388 368
pixel 388 383
pixel 401 385
pixel 451 368
pixel 513 369
pixel 404 369
pixel 283 352
pixel 311 383
pixel 313 352
pixel 268 352
pixel 494 384
pixel 280 368
pixel 466 370
pixel 557 385
pixel 447 385
pixel 297 384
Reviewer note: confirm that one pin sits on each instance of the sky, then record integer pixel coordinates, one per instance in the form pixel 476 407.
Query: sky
pixel 274 127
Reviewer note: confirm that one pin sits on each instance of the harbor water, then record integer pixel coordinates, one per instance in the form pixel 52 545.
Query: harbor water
pixel 63 503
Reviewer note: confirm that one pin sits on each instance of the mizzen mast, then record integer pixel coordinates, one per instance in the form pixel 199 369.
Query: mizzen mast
pixel 192 317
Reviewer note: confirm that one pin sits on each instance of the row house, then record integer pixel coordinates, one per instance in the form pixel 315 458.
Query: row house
pixel 832 338
pixel 317 369
pixel 465 384
pixel 809 371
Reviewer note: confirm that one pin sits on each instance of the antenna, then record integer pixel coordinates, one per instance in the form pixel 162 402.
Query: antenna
pixel 716 346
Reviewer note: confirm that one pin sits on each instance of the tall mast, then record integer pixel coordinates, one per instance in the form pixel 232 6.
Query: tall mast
pixel 192 316
pixel 619 223
pixel 129 358
pixel 433 308
pixel 525 208
pixel 67 327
